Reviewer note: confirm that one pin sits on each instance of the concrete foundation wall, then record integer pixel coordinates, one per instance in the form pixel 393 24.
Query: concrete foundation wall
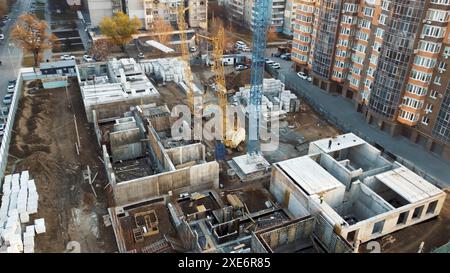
pixel 287 195
pixel 159 150
pixel 337 170
pixel 300 230
pixel 115 110
pixel 126 145
pixel 184 154
pixel 202 176
pixel 364 229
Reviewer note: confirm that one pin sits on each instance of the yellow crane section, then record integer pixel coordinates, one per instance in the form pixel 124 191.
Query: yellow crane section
pixel 219 71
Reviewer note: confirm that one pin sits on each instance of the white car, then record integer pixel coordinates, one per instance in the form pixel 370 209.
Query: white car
pixel 7 99
pixel 2 37
pixel 67 57
pixel 193 49
pixel 141 55
pixel 241 67
pixel 302 75
pixel 269 62
pixel 2 129
pixel 10 89
pixel 309 79
pixel 246 49
pixel 88 58
pixel 276 65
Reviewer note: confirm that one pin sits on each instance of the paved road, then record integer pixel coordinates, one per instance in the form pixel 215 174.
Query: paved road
pixel 10 55
pixel 343 110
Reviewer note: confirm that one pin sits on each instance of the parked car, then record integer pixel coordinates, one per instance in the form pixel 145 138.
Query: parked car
pixel 276 65
pixel 277 54
pixel 67 57
pixel 7 99
pixel 88 58
pixel 246 49
pixel 286 56
pixel 141 55
pixel 12 82
pixel 193 49
pixel 309 79
pixel 2 129
pixel 2 37
pixel 269 62
pixel 5 111
pixel 241 67
pixel 11 89
pixel 302 75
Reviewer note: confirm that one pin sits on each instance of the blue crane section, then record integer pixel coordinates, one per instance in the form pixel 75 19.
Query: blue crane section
pixel 261 18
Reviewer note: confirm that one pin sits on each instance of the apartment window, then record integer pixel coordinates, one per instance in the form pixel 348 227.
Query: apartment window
pixel 385 5
pixel 429 108
pixel 382 19
pixel 368 11
pixel 437 80
pixel 425 120
pixel 434 94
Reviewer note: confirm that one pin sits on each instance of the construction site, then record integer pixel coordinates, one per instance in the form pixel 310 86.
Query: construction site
pixel 118 170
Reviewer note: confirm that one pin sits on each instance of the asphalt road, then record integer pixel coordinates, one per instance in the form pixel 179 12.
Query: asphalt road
pixel 10 55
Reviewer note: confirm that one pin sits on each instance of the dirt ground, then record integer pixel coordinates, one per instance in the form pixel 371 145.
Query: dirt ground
pixel 434 233
pixel 44 143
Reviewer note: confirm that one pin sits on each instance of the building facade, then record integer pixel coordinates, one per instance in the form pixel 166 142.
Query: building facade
pixel 242 11
pixel 390 57
pixel 148 10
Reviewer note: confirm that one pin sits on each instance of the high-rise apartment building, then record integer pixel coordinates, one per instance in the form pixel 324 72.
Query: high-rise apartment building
pixel 148 10
pixel 390 57
pixel 242 11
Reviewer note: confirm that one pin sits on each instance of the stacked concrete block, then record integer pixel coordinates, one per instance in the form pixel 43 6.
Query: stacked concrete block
pixel 19 200
pixel 39 225
pixel 33 198
pixel 166 69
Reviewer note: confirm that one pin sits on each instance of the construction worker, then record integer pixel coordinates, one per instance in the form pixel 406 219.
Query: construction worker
pixel 329 144
pixel 321 199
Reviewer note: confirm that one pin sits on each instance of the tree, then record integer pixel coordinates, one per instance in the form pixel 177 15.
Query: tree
pixel 161 28
pixel 30 33
pixel 120 28
pixel 100 49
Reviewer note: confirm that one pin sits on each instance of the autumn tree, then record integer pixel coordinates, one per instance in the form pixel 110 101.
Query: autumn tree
pixel 120 28
pixel 161 29
pixel 100 50
pixel 31 34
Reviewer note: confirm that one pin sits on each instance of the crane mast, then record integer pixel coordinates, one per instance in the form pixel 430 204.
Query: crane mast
pixel 260 24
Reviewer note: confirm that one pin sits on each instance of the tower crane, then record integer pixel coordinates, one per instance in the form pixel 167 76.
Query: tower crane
pixel 260 24
pixel 231 138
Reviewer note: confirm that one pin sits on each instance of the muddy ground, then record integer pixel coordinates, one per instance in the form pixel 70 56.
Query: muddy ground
pixel 44 143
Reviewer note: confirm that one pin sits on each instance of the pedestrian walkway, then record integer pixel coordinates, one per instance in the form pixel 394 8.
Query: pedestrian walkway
pixel 342 113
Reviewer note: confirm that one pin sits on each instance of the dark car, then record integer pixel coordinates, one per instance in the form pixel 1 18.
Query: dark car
pixel 278 54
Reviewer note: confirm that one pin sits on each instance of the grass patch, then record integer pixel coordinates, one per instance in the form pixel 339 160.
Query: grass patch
pixel 28 61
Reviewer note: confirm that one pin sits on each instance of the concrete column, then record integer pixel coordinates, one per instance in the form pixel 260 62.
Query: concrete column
pixel 368 117
pixel 430 143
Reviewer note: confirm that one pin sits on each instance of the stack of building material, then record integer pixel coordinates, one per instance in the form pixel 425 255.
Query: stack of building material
pixel 166 69
pixel 28 239
pixel 285 100
pixel 33 198
pixel 39 225
pixel 19 200
pixel 272 87
pixel 294 104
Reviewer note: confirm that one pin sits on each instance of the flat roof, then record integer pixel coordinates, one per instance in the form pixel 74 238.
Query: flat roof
pixel 407 184
pixel 57 64
pixel 309 175
pixel 159 46
pixel 339 142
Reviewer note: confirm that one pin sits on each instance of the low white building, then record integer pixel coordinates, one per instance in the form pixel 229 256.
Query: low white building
pixel 360 193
